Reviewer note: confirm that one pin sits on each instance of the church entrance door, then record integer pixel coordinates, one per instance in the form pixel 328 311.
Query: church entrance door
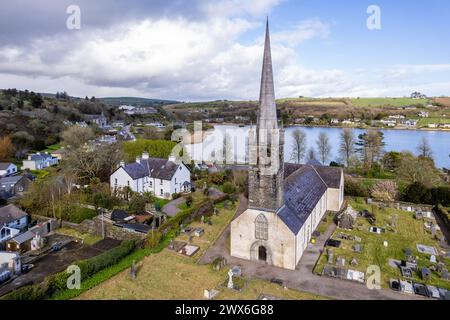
pixel 262 253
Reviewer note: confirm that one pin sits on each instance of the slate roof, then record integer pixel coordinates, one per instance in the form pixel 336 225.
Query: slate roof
pixel 119 215
pixel 40 157
pixel 303 190
pixel 11 213
pixel 153 167
pixel 304 186
pixel 23 237
pixel 10 180
pixel 5 165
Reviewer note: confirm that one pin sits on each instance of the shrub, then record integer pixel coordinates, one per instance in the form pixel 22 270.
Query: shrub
pixel 354 188
pixel 229 188
pixel 384 191
pixel 153 239
pixel 189 201
pixel 217 178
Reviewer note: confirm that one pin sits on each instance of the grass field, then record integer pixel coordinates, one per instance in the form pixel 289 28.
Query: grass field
pixel 408 233
pixel 436 120
pixel 384 102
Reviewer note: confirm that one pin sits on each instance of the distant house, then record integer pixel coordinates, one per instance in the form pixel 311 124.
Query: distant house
pixel 13 217
pixel 7 169
pixel 397 116
pixel 432 125
pixel 161 177
pixel 423 114
pixel 39 161
pixel 14 186
pixel 409 122
pixel 334 121
pixel 59 154
pixel 98 119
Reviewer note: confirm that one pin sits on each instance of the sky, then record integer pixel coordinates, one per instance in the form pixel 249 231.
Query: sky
pixel 201 50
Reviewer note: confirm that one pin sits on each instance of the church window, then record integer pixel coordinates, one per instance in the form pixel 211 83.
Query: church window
pixel 261 228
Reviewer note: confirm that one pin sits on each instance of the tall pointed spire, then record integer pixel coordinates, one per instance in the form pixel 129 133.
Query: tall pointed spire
pixel 267 113
pixel 266 173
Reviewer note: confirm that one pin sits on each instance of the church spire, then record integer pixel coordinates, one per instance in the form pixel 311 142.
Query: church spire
pixel 267 113
pixel 266 173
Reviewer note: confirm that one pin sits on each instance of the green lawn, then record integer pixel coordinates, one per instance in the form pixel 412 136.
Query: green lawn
pixel 79 214
pixel 385 102
pixel 40 174
pixel 408 233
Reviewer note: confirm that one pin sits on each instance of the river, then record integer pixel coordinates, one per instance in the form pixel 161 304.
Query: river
pixel 395 140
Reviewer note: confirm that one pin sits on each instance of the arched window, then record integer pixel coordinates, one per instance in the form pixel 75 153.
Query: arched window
pixel 261 228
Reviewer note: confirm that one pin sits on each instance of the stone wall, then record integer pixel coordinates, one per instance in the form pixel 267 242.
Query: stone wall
pixel 94 227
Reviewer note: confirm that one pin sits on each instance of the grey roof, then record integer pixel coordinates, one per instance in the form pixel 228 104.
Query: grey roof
pixel 5 165
pixel 23 237
pixel 10 180
pixel 331 175
pixel 303 190
pixel 11 213
pixel 119 215
pixel 153 167
pixel 40 157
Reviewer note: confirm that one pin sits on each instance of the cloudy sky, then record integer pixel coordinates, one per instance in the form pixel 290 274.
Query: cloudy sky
pixel 208 50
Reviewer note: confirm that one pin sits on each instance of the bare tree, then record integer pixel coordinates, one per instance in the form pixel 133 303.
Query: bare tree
pixel 323 147
pixel 298 146
pixel 424 148
pixel 347 146
pixel 77 136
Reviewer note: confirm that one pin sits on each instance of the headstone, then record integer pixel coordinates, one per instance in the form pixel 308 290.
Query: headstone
pixel 330 255
pixel 354 262
pixel 215 211
pixel 433 259
pixel 385 243
pixel 340 261
pixel 445 275
pixel 230 279
pixel 203 219
pixel 191 238
pixel 133 270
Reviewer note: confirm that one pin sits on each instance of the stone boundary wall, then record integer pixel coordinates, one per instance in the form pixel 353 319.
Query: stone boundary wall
pixel 400 204
pixel 94 227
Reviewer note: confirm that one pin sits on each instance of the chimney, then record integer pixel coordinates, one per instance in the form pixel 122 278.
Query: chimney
pixel 122 163
pixel 172 158
pixel 145 156
pixel 138 159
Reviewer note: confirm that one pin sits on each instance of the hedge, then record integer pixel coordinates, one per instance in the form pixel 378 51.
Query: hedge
pixel 58 282
pixel 444 214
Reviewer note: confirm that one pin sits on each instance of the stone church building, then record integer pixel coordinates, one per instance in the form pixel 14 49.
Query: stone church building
pixel 286 201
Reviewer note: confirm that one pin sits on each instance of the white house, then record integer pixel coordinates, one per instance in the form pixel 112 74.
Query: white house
pixel 161 177
pixel 13 217
pixel 7 169
pixel 39 161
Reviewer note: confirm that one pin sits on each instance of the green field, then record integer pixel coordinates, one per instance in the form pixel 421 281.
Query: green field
pixel 387 102
pixel 407 234
pixel 424 122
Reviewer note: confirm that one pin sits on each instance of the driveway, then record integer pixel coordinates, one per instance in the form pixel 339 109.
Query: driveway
pixel 171 209
pixel 302 278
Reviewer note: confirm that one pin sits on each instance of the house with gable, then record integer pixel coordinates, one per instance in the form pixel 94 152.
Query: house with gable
pixel 161 177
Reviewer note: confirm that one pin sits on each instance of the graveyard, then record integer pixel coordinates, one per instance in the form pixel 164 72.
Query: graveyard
pixel 171 275
pixel 404 246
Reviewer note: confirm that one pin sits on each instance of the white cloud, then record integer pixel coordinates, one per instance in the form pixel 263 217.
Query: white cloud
pixel 306 30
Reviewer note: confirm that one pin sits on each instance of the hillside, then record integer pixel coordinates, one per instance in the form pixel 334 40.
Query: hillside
pixel 135 101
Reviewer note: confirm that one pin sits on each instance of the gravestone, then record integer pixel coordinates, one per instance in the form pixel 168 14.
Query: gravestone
pixel 133 270
pixel 330 255
pixel 340 261
pixel 386 244
pixel 210 294
pixel 433 259
pixel 354 262
pixel 445 275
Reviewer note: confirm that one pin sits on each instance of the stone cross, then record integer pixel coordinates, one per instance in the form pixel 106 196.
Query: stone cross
pixel 230 279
